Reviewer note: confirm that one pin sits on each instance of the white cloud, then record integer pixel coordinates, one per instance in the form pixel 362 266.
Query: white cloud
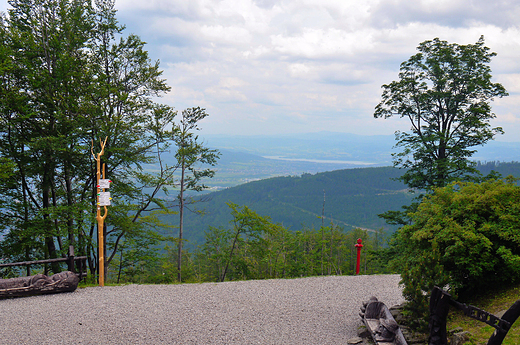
pixel 511 82
pixel 299 70
pixel 225 35
pixel 319 43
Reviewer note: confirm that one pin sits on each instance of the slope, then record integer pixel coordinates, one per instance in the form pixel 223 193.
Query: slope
pixel 350 198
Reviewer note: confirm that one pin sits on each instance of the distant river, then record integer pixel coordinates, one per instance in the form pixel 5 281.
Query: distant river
pixel 329 161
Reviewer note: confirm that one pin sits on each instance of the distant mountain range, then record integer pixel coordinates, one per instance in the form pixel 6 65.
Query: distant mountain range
pixel 250 158
pixel 356 150
pixel 353 149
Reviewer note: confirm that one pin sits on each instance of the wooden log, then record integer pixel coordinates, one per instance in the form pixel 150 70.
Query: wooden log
pixel 38 284
pixel 36 262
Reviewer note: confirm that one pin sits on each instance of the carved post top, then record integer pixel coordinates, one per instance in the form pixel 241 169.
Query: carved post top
pixel 102 152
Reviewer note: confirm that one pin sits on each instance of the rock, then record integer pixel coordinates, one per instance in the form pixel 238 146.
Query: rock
pixel 414 338
pixel 363 332
pixel 459 338
pixel 356 340
pixel 397 308
pixel 455 330
pixel 397 313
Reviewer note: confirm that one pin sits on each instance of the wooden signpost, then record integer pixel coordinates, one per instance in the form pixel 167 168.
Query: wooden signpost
pixel 103 199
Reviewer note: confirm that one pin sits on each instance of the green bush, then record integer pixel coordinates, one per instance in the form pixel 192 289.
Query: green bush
pixel 464 238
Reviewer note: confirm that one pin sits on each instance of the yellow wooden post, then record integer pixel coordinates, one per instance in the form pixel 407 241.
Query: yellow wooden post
pixel 99 217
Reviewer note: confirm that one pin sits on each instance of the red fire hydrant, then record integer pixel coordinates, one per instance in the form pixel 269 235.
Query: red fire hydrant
pixel 358 246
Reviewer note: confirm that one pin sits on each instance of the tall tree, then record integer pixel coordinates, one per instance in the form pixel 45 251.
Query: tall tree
pixel 193 159
pixel 138 129
pixel 69 77
pixel 45 76
pixel 445 91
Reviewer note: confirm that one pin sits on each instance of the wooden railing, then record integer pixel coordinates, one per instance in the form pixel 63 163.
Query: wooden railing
pixel 80 261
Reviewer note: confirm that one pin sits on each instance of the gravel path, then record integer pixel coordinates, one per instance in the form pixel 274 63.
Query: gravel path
pixel 320 310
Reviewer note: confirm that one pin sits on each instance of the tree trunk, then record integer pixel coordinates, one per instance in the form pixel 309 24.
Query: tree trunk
pixel 230 256
pixel 50 246
pixel 70 203
pixel 181 221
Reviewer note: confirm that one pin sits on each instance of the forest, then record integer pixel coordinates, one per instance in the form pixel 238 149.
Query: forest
pixel 253 247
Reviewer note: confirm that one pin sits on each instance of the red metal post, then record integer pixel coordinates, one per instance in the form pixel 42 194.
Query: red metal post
pixel 358 246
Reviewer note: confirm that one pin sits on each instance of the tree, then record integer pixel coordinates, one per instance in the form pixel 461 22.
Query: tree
pixel 191 155
pixel 66 81
pixel 6 168
pixel 445 91
pixel 248 227
pixel 139 131
pixel 464 237
pixel 44 77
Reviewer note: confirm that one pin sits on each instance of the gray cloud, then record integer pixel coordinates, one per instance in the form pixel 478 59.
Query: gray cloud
pixel 255 63
pixel 454 13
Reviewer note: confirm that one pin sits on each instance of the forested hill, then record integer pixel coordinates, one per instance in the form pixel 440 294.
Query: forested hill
pixel 349 198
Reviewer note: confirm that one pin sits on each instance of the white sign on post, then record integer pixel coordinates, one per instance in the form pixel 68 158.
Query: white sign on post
pixel 104 183
pixel 104 199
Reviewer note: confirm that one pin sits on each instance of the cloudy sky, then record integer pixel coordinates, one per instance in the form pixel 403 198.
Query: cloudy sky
pixel 294 66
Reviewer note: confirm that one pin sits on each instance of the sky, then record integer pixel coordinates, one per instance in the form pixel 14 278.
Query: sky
pixel 299 66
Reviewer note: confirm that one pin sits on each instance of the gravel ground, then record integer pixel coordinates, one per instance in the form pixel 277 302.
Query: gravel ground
pixel 319 310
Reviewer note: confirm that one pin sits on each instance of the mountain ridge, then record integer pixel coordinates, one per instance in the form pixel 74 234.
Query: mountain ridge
pixel 376 149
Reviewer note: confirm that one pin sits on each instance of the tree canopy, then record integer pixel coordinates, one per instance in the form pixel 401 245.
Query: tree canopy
pixel 445 91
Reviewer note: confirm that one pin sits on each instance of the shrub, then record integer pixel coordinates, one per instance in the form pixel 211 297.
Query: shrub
pixel 464 238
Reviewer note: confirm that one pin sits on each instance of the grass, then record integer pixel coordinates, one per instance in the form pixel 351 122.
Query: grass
pixel 494 303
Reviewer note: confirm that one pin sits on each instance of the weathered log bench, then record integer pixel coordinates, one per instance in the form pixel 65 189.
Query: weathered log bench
pixel 38 284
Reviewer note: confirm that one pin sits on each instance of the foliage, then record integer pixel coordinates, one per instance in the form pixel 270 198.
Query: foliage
pixel 445 91
pixel 6 168
pixel 464 237
pixel 256 248
pixel 253 247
